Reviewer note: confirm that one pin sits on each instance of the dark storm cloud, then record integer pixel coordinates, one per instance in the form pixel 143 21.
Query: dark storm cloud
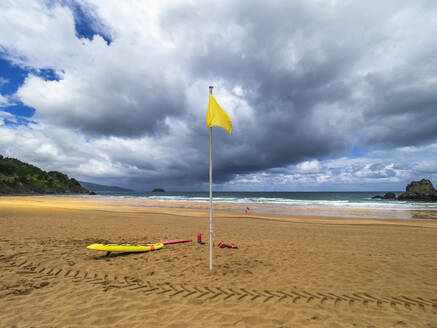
pixel 404 109
pixel 305 107
pixel 127 110
pixel 109 97
pixel 285 96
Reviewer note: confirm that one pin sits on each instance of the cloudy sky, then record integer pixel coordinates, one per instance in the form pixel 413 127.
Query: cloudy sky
pixel 323 95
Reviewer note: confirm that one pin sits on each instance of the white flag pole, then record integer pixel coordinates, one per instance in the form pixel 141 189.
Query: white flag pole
pixel 210 192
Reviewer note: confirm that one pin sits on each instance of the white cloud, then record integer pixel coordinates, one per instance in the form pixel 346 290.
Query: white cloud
pixel 3 116
pixel 379 170
pixel 426 167
pixel 4 101
pixel 308 167
pixel 35 35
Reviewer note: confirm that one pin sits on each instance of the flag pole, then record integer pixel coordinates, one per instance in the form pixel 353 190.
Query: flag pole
pixel 210 192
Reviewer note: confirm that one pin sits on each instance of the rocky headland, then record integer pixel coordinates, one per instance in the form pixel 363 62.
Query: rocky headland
pixel 18 178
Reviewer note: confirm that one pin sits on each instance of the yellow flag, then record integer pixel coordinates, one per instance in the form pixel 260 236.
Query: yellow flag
pixel 216 116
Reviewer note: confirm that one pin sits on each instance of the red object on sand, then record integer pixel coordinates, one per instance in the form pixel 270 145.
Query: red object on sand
pixel 223 245
pixel 199 238
pixel 176 241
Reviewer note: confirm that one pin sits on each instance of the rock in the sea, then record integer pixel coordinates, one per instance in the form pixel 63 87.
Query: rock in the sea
pixel 158 190
pixel 388 195
pixel 422 190
pixel 422 186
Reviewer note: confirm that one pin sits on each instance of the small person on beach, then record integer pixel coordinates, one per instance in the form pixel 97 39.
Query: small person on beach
pixel 246 209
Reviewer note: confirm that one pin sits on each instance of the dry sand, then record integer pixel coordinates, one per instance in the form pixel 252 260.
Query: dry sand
pixel 289 271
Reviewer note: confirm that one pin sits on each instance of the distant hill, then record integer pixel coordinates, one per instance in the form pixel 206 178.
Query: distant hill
pixel 102 188
pixel 17 177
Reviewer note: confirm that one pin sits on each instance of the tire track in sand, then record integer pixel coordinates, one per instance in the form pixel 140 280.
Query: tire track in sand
pixel 208 293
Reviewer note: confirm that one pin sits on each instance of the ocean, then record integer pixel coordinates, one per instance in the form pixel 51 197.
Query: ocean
pixel 359 204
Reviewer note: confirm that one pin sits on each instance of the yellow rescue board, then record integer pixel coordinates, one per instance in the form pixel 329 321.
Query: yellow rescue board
pixel 125 247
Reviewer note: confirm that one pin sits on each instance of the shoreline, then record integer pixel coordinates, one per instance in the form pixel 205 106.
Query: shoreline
pixel 343 211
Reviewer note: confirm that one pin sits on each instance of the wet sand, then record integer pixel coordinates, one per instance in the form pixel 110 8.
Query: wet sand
pixel 289 270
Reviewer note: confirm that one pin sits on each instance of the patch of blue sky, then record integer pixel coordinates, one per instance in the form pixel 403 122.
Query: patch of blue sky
pixel 18 109
pixel 355 152
pixel 12 76
pixel 47 74
pixel 86 24
pixel 359 149
pixel 18 121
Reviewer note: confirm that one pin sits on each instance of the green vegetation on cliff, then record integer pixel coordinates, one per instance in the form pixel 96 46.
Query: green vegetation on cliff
pixel 17 177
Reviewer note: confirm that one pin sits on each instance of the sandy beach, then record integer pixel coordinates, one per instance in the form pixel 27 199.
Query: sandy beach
pixel 289 271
